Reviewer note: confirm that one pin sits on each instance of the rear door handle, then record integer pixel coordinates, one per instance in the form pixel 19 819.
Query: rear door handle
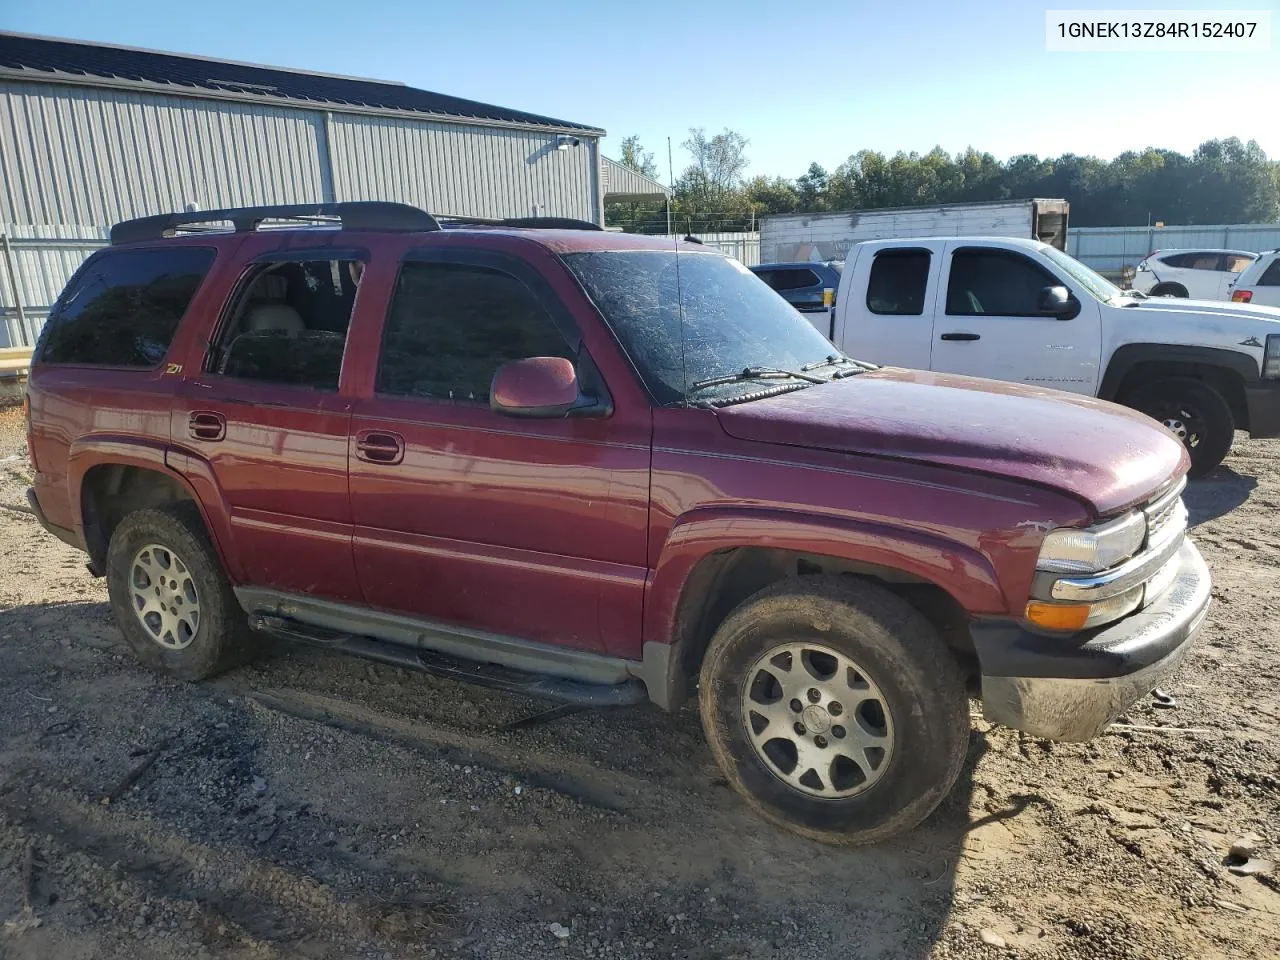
pixel 379 446
pixel 960 336
pixel 207 425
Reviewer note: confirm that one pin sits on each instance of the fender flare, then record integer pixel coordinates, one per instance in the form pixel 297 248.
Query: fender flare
pixel 1130 355
pixel 190 473
pixel 958 569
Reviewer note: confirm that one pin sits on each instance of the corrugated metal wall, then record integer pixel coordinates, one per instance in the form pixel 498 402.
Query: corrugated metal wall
pixel 72 155
pixel 1111 249
pixel 75 159
pixel 467 171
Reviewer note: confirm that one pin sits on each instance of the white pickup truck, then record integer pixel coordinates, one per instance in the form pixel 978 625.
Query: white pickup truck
pixel 1021 310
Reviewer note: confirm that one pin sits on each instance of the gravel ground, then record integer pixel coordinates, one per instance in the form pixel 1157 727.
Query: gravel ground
pixel 314 806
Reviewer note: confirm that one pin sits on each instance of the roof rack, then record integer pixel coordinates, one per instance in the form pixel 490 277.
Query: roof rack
pixel 448 222
pixel 354 215
pixel 358 215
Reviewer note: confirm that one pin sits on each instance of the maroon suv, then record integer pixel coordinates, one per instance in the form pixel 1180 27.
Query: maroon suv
pixel 601 468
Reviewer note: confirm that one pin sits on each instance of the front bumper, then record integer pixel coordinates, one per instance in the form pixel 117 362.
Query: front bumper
pixel 1263 402
pixel 1070 688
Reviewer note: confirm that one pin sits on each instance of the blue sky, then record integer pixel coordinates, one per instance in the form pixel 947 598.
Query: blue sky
pixel 802 82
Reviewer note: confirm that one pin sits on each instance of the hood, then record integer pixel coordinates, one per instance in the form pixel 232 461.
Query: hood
pixel 1220 310
pixel 1106 455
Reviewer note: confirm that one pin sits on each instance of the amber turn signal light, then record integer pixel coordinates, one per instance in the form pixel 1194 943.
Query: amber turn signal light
pixel 1058 616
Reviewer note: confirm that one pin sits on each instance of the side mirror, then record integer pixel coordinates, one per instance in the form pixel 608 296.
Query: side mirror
pixel 542 387
pixel 1058 302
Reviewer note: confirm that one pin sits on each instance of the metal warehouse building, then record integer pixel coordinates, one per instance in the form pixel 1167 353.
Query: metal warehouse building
pixel 93 134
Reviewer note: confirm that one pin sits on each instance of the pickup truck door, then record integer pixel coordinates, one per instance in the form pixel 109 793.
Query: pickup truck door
pixel 885 302
pixel 986 322
pixel 532 529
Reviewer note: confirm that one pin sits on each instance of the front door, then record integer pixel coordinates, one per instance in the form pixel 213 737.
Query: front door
pixel 987 324
pixel 525 528
pixel 266 414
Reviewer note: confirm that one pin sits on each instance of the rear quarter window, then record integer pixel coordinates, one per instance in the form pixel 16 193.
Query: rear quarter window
pixel 123 308
pixel 1271 276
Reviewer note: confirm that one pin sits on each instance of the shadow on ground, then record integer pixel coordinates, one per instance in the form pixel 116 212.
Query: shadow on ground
pixel 1217 494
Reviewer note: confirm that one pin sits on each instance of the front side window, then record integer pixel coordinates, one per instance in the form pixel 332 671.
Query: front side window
pixel 451 326
pixel 995 283
pixel 289 324
pixel 897 283
pixel 124 307
pixel 682 319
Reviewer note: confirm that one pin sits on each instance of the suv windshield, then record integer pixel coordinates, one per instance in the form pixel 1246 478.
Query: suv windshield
pixel 1095 283
pixel 732 320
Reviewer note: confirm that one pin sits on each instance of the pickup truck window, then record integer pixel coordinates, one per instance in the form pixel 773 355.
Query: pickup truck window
pixel 999 283
pixel 898 281
pixel 731 320
pixel 124 307
pixel 1271 276
pixel 451 326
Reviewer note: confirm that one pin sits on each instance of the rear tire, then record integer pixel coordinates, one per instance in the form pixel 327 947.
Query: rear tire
pixel 1169 290
pixel 1195 412
pixel 889 701
pixel 170 596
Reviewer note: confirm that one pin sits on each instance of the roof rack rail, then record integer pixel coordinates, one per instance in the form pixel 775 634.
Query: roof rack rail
pixel 355 215
pixel 448 221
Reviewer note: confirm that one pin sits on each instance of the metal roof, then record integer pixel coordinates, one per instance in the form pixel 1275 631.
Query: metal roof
pixel 623 183
pixel 42 58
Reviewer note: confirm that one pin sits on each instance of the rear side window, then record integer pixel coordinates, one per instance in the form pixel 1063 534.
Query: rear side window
pixel 1237 263
pixel 123 309
pixel 451 326
pixel 898 281
pixel 1196 261
pixel 1271 276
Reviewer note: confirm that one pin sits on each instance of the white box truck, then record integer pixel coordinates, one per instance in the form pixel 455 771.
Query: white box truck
pixel 796 237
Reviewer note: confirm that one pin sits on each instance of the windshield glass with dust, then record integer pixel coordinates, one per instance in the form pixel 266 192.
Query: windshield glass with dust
pixel 732 319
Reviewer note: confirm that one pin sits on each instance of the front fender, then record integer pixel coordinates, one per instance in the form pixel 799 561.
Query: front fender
pixel 200 484
pixel 958 569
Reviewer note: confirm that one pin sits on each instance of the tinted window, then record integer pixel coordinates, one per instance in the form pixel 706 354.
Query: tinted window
pixel 289 324
pixel 1196 261
pixel 995 283
pixel 728 320
pixel 1238 263
pixel 123 309
pixel 1271 276
pixel 794 279
pixel 898 281
pixel 451 326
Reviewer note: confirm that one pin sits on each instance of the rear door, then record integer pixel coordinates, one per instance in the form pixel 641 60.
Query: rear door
pixel 885 304
pixel 986 322
pixel 266 417
pixel 525 528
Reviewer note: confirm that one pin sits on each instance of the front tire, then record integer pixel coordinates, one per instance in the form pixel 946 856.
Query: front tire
pixel 882 724
pixel 1195 412
pixel 170 596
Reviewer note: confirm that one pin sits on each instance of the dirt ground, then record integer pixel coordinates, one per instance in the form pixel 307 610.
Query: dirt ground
pixel 313 806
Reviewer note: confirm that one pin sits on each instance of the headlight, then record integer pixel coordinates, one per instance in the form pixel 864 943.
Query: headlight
pixel 1271 357
pixel 1093 549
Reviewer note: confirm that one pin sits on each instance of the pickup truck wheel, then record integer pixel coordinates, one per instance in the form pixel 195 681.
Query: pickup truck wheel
pixel 835 709
pixel 171 599
pixel 1197 414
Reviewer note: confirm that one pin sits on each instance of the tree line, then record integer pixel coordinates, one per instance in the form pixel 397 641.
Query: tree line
pixel 1222 181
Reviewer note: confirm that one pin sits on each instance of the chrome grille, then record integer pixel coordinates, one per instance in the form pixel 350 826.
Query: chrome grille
pixel 1166 518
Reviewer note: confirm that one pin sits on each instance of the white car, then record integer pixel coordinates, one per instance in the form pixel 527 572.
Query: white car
pixel 1260 283
pixel 1197 274
pixel 1020 310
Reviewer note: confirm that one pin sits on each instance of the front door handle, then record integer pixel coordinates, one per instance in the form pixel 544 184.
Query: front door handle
pixel 960 336
pixel 207 425
pixel 379 446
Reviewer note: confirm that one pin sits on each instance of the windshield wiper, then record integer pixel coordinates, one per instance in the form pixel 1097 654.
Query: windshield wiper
pixel 834 358
pixel 754 373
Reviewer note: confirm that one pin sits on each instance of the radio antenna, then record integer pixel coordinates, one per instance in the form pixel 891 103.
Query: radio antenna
pixel 675 239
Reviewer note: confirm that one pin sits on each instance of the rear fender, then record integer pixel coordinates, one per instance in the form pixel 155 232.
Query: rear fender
pixel 189 472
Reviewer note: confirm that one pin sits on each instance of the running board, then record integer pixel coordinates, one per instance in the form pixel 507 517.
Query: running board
pixel 450 667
